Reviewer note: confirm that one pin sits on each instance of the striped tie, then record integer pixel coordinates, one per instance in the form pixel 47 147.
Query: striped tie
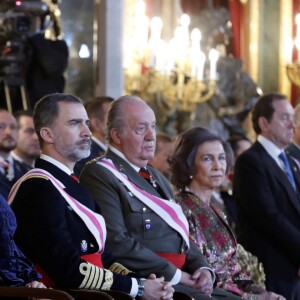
pixel 287 169
pixel 5 166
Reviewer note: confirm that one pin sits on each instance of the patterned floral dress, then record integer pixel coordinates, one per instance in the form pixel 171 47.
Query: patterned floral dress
pixel 210 231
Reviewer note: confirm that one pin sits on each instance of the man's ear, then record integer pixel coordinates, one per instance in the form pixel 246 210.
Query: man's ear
pixel 47 134
pixel 94 124
pixel 115 135
pixel 263 124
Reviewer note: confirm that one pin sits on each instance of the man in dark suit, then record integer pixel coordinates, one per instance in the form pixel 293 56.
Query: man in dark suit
pixel 97 111
pixel 28 148
pixel 146 231
pixel 59 228
pixel 10 169
pixel 293 149
pixel 266 187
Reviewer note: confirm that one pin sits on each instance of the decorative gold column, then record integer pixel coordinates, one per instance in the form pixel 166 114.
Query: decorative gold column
pixel 285 34
pixel 254 9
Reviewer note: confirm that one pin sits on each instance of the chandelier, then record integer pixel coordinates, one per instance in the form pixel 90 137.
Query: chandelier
pixel 177 71
pixel 293 69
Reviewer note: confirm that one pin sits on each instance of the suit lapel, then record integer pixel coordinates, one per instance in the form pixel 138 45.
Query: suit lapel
pixel 293 151
pixel 281 177
pixel 163 187
pixel 296 171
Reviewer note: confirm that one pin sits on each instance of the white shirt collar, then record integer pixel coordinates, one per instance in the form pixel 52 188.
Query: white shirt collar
pixel 98 142
pixel 119 153
pixel 18 158
pixel 10 159
pixel 271 148
pixel 56 163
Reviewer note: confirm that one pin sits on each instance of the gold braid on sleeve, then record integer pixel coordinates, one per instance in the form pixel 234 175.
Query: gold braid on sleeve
pixel 95 278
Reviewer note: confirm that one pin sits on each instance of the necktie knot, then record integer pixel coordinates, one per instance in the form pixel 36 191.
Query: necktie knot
pixel 283 158
pixel 5 165
pixel 287 168
pixel 144 172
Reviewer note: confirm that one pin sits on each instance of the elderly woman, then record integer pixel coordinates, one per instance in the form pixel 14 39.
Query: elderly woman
pixel 199 165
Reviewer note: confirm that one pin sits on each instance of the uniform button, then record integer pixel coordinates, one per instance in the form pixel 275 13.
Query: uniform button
pixel 144 209
pixel 92 245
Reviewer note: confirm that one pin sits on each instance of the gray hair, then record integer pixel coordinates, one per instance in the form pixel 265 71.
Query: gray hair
pixel 116 117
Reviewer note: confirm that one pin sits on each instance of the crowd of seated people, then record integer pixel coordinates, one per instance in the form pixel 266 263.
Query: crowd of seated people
pixel 154 245
pixel 11 169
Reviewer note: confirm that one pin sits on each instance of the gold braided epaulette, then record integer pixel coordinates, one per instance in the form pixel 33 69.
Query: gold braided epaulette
pixel 37 176
pixel 92 161
pixel 119 269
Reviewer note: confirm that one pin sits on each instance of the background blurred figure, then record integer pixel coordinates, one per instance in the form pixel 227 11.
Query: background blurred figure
pixel 97 111
pixel 238 144
pixel 199 165
pixel 294 148
pixel 10 169
pixel 15 268
pixel 266 186
pixel 47 55
pixel 163 150
pixel 28 148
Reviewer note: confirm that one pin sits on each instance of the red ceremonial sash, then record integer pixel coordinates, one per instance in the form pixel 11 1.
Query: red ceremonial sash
pixel 177 259
pixel 94 259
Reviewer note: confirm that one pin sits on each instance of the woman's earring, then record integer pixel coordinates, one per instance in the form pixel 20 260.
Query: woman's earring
pixel 191 177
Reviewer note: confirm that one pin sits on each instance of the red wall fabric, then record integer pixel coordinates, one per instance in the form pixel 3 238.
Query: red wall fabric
pixel 295 90
pixel 237 18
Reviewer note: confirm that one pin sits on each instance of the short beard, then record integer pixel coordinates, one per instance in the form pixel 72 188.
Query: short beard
pixel 80 154
pixel 7 149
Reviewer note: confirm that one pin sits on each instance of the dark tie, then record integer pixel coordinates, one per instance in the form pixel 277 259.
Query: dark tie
pixel 75 177
pixel 5 166
pixel 287 169
pixel 144 172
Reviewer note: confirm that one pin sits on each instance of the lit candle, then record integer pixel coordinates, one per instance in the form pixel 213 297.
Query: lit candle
pixel 155 28
pixel 195 50
pixel 185 22
pixel 200 67
pixel 155 32
pixel 161 57
pixel 140 33
pixel 288 50
pixel 171 56
pixel 213 58
pixel 180 47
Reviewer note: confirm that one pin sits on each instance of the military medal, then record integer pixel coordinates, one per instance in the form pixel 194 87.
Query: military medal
pixel 147 224
pixel 83 246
